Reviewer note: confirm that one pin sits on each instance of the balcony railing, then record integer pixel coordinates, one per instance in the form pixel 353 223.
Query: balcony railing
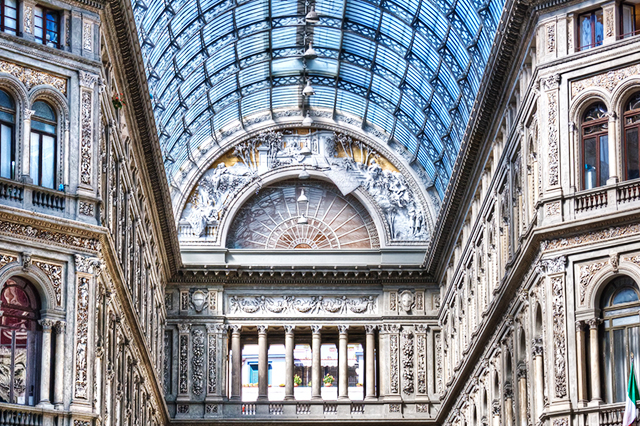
pixel 591 201
pixel 49 199
pixel 629 192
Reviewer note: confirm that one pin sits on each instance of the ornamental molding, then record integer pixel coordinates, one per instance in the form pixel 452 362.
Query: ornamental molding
pixel 88 265
pixel 212 380
pixel 408 353
pixel 5 259
pixel 587 272
pixel 553 149
pixel 608 80
pixel 394 359
pixel 86 140
pixel 183 360
pixel 197 362
pixel 306 305
pixel 31 77
pixel 88 80
pixel 559 330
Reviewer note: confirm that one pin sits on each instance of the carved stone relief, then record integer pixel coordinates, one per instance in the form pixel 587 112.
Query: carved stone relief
pixel 54 273
pixel 212 384
pixel 590 237
pixel 553 159
pixel 5 259
pixel 586 274
pixel 437 340
pixel 607 80
pixel 407 362
pixel 407 301
pixel 559 320
pixel 421 357
pixel 551 37
pixel 30 77
pixel 197 362
pixel 394 351
pixel 86 142
pixel 552 209
pixel 28 231
pixel 87 35
pixel 86 209
pixel 309 305
pixel 82 338
pixel 183 360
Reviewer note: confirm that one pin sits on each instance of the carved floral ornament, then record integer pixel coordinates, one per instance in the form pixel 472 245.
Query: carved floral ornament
pixel 31 78
pixel 306 305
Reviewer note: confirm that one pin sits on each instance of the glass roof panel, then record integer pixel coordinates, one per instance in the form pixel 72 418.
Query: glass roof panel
pixel 410 68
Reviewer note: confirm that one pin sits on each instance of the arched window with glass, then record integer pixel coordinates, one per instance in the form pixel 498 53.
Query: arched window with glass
pixel 7 132
pixel 621 335
pixel 595 146
pixel 42 163
pixel 631 129
pixel 19 342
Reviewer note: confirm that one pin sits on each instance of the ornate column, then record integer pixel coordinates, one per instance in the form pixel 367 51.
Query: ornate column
pixel 383 364
pixel 582 361
pixel 316 379
pixel 508 404
pixel 522 392
pixel 594 365
pixel 538 367
pixel 288 348
pixel 58 386
pixel 613 131
pixel 45 363
pixel 236 363
pixel 215 381
pixel 25 173
pixel 369 360
pixel 263 364
pixel 495 411
pixel 343 364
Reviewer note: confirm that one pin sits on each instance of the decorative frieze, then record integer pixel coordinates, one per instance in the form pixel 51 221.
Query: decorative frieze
pixel 550 30
pixel 28 19
pixel 607 80
pixel 30 77
pixel 86 209
pixel 212 384
pixel 437 339
pixel 394 350
pixel 591 237
pixel 168 343
pixel 87 35
pixel 50 237
pixel 421 357
pixel 307 305
pixel 393 301
pixel 213 296
pixel 183 354
pixel 82 338
pixel 559 320
pixel 197 362
pixel 552 208
pixel 184 300
pixel 54 273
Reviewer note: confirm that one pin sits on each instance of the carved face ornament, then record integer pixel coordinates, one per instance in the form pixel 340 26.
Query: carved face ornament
pixel 407 301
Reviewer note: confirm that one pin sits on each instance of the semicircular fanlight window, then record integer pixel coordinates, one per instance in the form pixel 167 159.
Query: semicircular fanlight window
pixel 310 215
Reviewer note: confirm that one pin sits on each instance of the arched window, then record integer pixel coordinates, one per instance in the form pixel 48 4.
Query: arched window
pixel 631 128
pixel 621 306
pixel 7 126
pixel 43 145
pixel 595 146
pixel 19 342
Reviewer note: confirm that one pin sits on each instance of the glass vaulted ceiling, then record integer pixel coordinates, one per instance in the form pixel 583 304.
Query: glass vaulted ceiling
pixel 410 68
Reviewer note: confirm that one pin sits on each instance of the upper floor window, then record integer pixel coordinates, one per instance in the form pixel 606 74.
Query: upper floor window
pixel 621 335
pixel 595 146
pixel 631 128
pixel 42 161
pixel 7 125
pixel 19 342
pixel 630 17
pixel 47 26
pixel 591 29
pixel 9 16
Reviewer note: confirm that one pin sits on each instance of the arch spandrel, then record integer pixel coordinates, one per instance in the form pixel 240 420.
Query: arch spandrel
pixel 352 167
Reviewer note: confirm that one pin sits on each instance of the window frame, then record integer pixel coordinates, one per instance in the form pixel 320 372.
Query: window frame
pixel 627 114
pixel 635 18
pixel 584 124
pixel 12 126
pixel 3 17
pixel 593 42
pixel 40 134
pixel 45 31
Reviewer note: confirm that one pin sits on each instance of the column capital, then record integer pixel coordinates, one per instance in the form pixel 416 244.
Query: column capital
pixel 370 329
pixel 184 328
pixel 60 327
pixel 580 325
pixel 315 329
pixel 235 329
pixel 47 324
pixel 262 329
pixel 537 346
pixel 594 322
pixel 521 370
pixel 343 329
pixel 288 329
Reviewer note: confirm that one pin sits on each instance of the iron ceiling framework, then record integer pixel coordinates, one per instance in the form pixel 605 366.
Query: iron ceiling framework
pixel 411 69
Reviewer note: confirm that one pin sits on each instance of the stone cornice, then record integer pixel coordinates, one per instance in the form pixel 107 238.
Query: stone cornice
pixel 503 56
pixel 128 49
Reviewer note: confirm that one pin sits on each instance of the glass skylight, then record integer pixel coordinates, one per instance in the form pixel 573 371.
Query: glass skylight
pixel 410 68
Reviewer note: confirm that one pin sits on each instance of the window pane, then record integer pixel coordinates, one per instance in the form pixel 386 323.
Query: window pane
pixel 628 24
pixel 34 162
pixel 5 100
pixel 634 342
pixel 20 383
pixel 38 23
pixel 585 32
pixel 48 161
pixel 633 169
pixel 590 163
pixel 616 322
pixel 604 159
pixel 620 367
pixel 5 152
pixel 599 28
pixel 5 363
